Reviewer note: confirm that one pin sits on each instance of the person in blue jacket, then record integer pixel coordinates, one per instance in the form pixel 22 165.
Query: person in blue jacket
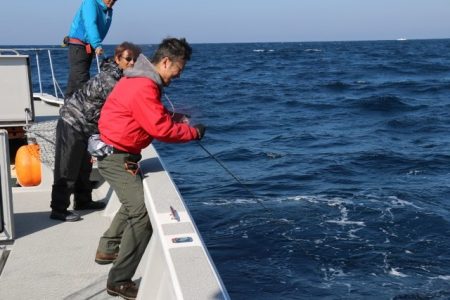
pixel 89 27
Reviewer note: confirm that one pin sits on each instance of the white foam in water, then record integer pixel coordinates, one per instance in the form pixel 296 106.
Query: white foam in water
pixel 262 50
pixel 351 232
pixel 302 198
pixel 395 272
pixel 273 155
pixel 224 202
pixel 345 222
pixel 397 202
pixel 414 172
pixel 331 201
pixel 330 273
pixel 344 214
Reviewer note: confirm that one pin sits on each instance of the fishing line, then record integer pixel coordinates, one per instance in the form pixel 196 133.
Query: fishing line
pixel 267 210
pixel 225 168
pixel 171 104
pixel 235 178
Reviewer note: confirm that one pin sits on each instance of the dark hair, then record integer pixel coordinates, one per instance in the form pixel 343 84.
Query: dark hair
pixel 132 48
pixel 174 49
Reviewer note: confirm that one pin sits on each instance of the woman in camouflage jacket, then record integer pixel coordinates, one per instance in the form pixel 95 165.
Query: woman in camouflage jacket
pixel 78 120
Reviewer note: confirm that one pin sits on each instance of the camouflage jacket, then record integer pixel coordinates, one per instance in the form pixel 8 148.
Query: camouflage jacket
pixel 82 109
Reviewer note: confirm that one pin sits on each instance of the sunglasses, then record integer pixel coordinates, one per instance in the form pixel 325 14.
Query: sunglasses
pixel 129 58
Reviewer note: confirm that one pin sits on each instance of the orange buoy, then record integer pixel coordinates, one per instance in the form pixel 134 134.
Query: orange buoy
pixel 28 165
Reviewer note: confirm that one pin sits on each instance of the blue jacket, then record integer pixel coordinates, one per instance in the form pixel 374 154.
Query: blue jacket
pixel 91 22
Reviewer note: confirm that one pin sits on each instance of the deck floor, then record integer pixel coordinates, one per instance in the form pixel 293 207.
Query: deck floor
pixel 51 259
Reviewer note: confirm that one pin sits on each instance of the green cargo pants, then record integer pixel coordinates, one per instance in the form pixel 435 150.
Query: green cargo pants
pixel 130 230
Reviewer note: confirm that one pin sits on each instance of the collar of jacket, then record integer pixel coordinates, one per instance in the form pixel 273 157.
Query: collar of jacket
pixel 109 66
pixel 144 68
pixel 102 5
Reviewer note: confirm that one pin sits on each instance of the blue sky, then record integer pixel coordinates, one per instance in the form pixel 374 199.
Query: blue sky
pixel 212 21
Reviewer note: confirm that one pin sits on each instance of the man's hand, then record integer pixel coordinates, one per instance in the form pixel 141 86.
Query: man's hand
pixel 180 118
pixel 200 130
pixel 98 51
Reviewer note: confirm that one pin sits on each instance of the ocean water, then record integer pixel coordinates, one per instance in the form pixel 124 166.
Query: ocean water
pixel 342 151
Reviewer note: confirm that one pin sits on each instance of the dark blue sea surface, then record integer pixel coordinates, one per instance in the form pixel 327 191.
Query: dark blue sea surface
pixel 346 146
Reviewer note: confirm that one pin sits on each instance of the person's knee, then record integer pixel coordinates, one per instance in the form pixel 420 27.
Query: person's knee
pixel 141 220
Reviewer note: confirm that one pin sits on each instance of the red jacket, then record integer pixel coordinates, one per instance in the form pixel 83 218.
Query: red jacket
pixel 133 115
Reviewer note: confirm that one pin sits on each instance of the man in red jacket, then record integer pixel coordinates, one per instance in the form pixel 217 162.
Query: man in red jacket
pixel 131 118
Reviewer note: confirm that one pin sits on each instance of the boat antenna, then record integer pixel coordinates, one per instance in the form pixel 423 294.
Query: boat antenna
pixel 235 177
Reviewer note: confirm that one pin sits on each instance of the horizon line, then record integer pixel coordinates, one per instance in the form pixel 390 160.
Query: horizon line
pixel 255 42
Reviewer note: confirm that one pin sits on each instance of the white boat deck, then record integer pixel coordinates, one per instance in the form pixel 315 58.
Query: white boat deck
pixel 52 259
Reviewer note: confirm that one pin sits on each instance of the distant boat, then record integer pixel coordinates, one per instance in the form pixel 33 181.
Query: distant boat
pixel 401 39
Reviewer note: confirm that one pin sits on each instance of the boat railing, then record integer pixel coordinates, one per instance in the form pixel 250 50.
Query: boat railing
pixel 57 96
pixel 176 245
pixel 57 91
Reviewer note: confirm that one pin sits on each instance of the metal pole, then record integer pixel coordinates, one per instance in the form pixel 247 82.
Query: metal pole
pixel 39 71
pixel 53 74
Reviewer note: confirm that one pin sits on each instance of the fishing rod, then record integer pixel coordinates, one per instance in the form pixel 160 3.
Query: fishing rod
pixel 98 63
pixel 235 177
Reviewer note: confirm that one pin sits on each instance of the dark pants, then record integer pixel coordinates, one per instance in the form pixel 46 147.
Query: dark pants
pixel 73 168
pixel 131 227
pixel 79 65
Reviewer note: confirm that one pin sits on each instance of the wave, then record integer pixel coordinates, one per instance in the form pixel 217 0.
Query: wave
pixel 443 294
pixel 416 86
pixel 337 85
pixel 312 50
pixel 384 103
pixel 263 50
pixel 419 123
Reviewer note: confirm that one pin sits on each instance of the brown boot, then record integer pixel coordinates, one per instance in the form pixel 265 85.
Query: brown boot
pixel 126 290
pixel 105 258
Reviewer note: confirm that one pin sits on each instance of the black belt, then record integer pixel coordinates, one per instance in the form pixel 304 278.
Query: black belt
pixel 133 156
